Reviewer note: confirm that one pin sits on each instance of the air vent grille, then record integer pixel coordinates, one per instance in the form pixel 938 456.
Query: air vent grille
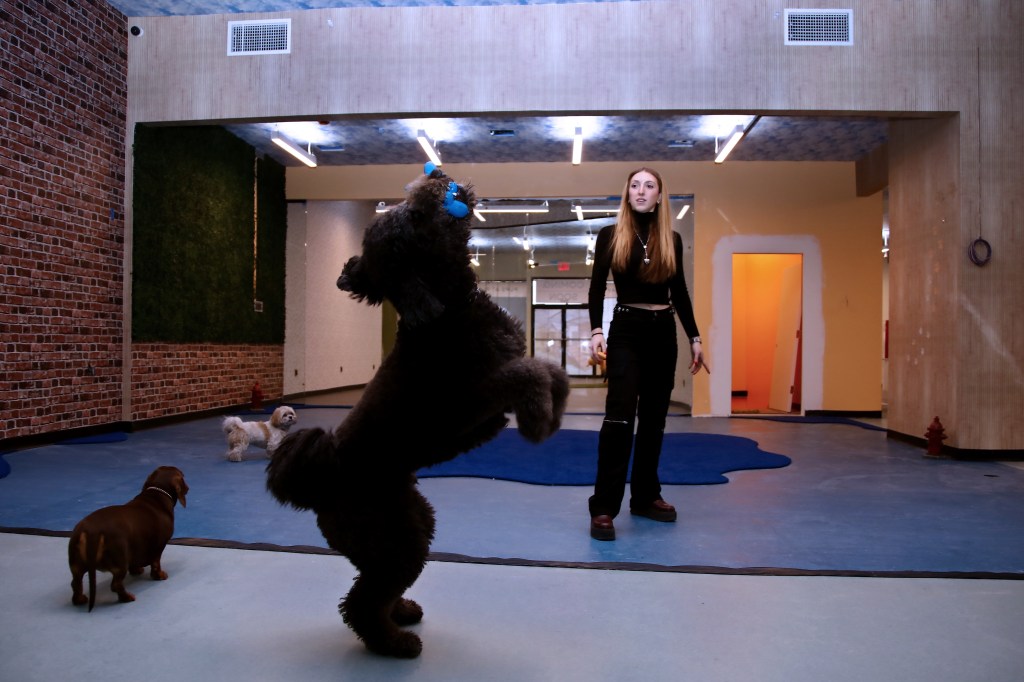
pixel 819 27
pixel 266 36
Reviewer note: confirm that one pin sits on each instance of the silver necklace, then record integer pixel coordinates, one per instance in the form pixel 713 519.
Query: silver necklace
pixel 647 260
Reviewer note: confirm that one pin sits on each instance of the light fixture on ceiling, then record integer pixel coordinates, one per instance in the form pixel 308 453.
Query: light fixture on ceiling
pixel 478 214
pixel 381 207
pixel 429 147
pixel 580 208
pixel 305 156
pixel 682 211
pixel 577 146
pixel 734 137
pixel 536 208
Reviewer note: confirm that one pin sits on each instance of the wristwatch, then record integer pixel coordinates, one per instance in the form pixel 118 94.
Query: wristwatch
pixel 694 340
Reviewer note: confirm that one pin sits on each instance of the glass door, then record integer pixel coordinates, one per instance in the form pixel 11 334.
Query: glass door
pixel 561 334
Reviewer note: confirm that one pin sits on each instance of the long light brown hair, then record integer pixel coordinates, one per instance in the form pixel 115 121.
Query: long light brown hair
pixel 660 248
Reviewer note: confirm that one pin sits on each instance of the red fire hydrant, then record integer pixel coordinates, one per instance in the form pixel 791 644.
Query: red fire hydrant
pixel 257 397
pixel 935 435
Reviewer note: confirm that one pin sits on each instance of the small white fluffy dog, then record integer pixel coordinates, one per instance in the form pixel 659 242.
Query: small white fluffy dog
pixel 268 434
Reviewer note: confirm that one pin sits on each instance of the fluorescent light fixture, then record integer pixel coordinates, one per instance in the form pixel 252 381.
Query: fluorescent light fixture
pixel 577 146
pixel 734 138
pixel 682 212
pixel 295 150
pixel 479 215
pixel 580 208
pixel 539 208
pixel 428 147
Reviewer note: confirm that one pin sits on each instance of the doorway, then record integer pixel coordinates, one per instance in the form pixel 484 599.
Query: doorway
pixel 766 332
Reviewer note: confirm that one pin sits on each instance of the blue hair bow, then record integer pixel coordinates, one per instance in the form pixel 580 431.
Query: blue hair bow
pixel 456 208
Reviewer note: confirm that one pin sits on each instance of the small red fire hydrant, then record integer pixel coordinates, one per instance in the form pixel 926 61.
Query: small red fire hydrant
pixel 257 397
pixel 935 435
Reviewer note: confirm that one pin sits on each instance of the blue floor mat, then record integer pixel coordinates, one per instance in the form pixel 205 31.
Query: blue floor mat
pixel 570 458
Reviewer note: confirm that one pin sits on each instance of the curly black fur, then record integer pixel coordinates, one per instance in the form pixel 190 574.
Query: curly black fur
pixel 457 368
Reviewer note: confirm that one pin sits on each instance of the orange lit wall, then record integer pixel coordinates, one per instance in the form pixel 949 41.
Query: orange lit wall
pixel 756 287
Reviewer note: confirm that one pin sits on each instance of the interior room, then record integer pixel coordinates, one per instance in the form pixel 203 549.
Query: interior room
pixel 185 183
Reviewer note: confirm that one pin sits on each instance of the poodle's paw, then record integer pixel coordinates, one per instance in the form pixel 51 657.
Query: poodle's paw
pixel 234 456
pixel 539 410
pixel 534 426
pixel 406 612
pixel 400 644
pixel 537 418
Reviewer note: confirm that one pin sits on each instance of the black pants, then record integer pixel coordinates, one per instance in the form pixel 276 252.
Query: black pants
pixel 642 354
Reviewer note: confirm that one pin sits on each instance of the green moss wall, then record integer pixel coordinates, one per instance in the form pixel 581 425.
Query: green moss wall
pixel 204 232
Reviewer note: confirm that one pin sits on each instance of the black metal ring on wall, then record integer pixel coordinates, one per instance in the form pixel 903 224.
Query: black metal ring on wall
pixel 973 251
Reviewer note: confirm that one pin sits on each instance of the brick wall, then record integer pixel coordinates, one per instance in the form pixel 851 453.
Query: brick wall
pixel 172 379
pixel 63 97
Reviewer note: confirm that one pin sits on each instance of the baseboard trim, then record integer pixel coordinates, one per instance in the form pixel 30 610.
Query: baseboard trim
pixel 950 452
pixel 850 414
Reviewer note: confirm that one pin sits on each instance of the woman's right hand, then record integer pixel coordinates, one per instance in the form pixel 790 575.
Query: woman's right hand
pixel 597 348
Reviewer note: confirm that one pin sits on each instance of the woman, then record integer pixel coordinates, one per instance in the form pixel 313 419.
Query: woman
pixel 644 256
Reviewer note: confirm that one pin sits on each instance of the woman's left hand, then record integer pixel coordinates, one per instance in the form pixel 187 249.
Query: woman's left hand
pixel 697 353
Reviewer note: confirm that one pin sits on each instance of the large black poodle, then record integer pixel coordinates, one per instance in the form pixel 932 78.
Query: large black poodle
pixel 457 367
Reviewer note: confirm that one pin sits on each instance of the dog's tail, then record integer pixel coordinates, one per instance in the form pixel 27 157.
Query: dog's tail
pixel 90 550
pixel 304 468
pixel 231 423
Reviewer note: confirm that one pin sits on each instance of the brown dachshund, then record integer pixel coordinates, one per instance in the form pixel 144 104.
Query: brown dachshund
pixel 125 538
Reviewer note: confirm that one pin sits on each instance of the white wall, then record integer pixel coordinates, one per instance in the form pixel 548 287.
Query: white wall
pixel 331 341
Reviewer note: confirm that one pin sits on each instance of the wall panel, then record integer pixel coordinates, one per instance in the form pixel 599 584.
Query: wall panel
pixel 911 59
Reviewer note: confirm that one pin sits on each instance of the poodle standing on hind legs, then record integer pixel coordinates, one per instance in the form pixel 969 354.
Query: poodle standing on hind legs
pixel 457 368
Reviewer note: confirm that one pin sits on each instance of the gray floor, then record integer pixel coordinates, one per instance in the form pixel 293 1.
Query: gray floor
pixel 244 615
pixel 526 595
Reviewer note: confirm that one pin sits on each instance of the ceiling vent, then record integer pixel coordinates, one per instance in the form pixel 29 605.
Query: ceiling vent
pixel 262 36
pixel 819 27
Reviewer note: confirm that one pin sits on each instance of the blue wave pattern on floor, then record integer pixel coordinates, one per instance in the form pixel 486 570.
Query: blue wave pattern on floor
pixel 570 458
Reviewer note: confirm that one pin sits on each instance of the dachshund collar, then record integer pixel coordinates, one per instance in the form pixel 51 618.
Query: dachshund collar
pixel 163 491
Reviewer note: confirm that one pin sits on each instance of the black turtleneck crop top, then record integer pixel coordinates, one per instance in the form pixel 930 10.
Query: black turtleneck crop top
pixel 631 289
